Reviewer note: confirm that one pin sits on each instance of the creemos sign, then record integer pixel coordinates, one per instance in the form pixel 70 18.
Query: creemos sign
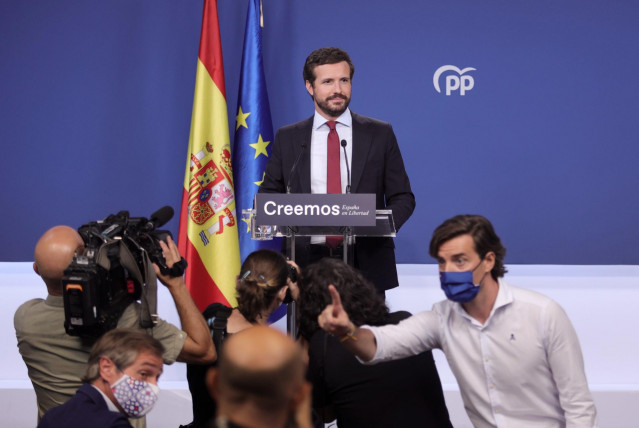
pixel 298 209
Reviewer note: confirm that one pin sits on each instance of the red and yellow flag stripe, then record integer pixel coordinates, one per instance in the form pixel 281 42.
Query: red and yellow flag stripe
pixel 208 236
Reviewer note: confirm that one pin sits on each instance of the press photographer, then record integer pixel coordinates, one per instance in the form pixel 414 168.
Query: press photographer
pixel 57 360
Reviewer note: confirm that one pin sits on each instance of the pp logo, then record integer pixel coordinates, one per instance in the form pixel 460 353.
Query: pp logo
pixel 454 82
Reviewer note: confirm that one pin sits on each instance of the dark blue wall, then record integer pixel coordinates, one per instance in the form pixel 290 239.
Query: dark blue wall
pixel 96 98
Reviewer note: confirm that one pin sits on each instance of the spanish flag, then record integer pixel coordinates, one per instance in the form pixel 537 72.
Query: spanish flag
pixel 208 233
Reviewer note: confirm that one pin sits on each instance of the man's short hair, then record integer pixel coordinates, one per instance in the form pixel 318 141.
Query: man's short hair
pixel 483 235
pixel 122 346
pixel 269 389
pixel 325 56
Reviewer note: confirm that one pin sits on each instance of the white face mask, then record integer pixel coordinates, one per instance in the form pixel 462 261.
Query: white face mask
pixel 136 397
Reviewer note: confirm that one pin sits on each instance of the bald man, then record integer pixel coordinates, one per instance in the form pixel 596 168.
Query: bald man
pixel 57 361
pixel 259 381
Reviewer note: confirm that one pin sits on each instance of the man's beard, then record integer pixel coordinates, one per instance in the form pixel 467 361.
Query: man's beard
pixel 333 112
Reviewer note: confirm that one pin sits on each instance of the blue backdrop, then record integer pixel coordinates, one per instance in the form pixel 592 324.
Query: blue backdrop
pixel 96 98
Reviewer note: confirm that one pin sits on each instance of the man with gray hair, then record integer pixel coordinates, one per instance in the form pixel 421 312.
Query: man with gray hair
pixel 56 360
pixel 120 382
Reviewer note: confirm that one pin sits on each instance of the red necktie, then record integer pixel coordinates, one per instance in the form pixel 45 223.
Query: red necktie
pixel 333 175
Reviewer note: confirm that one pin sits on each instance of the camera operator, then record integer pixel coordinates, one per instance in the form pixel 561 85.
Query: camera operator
pixel 56 360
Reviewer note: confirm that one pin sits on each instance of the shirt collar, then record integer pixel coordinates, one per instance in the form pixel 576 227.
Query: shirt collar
pixel 56 301
pixel 344 119
pixel 110 405
pixel 504 297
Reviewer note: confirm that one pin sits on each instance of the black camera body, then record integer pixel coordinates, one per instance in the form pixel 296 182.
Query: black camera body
pixel 83 290
pixel 292 273
pixel 294 277
pixel 115 270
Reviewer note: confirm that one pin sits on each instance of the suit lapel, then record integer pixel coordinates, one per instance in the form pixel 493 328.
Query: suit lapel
pixel 303 134
pixel 362 141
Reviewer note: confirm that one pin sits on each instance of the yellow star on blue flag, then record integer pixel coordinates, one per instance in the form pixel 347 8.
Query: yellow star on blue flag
pixel 240 119
pixel 259 183
pixel 248 223
pixel 254 140
pixel 260 147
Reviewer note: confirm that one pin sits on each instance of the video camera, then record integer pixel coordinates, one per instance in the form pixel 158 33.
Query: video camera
pixel 114 271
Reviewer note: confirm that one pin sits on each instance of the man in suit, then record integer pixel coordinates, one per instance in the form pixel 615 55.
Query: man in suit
pixel 318 144
pixel 121 381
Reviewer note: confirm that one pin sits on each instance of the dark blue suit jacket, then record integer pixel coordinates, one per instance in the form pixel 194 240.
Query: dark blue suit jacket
pixel 377 167
pixel 85 409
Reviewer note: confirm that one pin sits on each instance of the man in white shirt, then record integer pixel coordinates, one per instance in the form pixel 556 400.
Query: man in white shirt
pixel 514 352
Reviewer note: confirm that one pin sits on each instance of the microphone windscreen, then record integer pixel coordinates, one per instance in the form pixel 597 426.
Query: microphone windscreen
pixel 162 216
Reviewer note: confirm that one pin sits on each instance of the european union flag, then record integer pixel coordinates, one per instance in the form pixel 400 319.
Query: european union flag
pixel 253 130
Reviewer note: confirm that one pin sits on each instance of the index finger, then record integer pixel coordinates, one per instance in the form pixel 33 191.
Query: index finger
pixel 336 301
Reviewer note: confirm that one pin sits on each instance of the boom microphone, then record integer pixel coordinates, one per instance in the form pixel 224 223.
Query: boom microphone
pixel 159 218
pixel 288 184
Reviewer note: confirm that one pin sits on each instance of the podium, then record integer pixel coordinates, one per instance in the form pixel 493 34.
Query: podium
pixel 290 215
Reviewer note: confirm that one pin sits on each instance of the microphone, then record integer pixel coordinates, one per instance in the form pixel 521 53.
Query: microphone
pixel 159 218
pixel 288 183
pixel 348 169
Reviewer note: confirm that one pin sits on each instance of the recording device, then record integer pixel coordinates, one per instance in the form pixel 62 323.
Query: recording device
pixel 292 273
pixel 294 277
pixel 348 168
pixel 288 183
pixel 114 271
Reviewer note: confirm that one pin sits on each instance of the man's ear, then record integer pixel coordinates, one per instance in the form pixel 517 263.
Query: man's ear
pixel 302 396
pixel 108 370
pixel 301 405
pixel 212 383
pixel 490 258
pixel 35 268
pixel 309 88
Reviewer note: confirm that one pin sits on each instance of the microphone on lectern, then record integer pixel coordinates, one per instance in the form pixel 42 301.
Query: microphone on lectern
pixel 348 169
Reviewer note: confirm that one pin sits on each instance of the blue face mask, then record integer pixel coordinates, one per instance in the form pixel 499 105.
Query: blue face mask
pixel 459 286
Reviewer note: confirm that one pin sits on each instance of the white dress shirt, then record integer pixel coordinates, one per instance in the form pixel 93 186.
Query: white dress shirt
pixel 319 154
pixel 522 368
pixel 110 405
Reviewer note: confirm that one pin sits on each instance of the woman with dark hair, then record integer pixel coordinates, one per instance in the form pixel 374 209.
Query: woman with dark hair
pixel 261 287
pixel 404 393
